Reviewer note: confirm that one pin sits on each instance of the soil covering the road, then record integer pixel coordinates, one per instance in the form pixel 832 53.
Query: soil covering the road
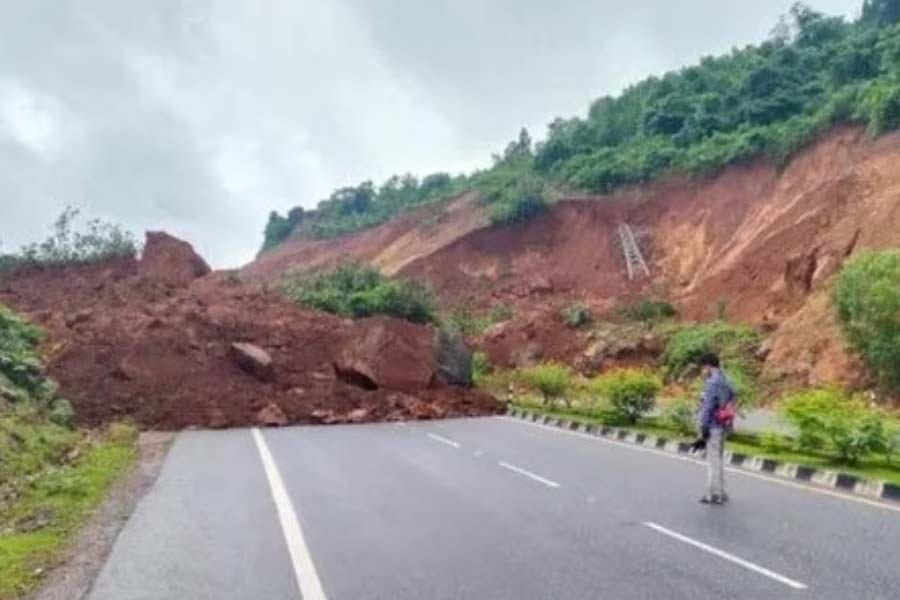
pixel 167 343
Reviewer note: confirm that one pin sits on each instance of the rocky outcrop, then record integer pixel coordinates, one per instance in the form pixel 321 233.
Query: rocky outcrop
pixel 170 261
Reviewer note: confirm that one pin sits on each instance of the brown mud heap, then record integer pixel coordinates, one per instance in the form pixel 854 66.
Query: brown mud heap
pixel 169 344
pixel 759 241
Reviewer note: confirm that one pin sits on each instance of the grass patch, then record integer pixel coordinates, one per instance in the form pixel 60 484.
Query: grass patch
pixel 51 508
pixel 750 444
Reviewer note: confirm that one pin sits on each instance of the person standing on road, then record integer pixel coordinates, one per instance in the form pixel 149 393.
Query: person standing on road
pixel 715 420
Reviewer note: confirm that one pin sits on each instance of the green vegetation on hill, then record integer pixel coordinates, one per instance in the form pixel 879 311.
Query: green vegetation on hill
pixel 356 291
pixel 97 242
pixel 813 72
pixel 354 208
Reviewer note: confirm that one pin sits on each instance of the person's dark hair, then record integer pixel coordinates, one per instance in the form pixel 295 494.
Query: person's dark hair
pixel 709 359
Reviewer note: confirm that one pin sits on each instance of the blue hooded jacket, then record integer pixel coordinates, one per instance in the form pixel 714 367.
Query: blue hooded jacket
pixel 717 392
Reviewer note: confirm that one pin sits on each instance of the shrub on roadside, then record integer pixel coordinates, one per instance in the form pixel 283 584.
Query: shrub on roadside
pixel 892 442
pixel 827 419
pixel 681 415
pixel 690 342
pixel 631 393
pixel 553 380
pixel 19 363
pixel 61 413
pixel 577 315
pixel 774 442
pixel 357 291
pixel 867 299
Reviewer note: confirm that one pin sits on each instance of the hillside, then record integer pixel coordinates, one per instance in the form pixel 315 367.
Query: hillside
pixel 812 73
pixel 748 178
pixel 759 240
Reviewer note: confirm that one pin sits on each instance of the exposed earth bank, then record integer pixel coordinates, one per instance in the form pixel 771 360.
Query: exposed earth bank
pixel 760 242
pixel 167 343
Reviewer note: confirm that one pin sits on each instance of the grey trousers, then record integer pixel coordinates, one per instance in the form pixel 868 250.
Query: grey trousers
pixel 715 449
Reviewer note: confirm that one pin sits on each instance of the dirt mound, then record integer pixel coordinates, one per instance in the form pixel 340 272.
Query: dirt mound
pixel 591 349
pixel 758 241
pixel 130 340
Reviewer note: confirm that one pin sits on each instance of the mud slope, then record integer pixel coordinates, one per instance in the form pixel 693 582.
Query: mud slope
pixel 155 341
pixel 761 241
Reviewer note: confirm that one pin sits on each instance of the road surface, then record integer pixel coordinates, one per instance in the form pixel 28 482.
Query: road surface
pixel 488 509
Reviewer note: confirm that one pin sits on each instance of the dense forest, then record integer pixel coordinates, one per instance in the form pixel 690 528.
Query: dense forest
pixel 813 72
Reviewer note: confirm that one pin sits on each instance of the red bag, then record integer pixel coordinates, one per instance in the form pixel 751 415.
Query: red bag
pixel 725 415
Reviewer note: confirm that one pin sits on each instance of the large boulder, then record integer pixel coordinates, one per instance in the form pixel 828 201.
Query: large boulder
pixel 388 354
pixel 170 261
pixel 253 360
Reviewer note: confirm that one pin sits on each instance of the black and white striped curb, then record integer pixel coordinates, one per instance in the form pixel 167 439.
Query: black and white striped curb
pixel 844 482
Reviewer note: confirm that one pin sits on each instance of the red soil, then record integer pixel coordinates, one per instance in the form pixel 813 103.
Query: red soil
pixel 762 242
pixel 151 340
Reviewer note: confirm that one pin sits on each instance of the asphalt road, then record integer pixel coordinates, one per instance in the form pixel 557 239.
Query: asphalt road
pixel 481 509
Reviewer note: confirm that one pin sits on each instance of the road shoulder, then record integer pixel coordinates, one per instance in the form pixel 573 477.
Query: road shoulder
pixel 82 562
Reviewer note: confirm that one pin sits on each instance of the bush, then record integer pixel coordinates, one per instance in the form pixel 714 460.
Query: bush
pixel 892 441
pixel 481 366
pixel 122 434
pixel 828 419
pixel 518 202
pixel 577 315
pixel 867 299
pixel 681 415
pixel 690 342
pixel 774 442
pixel 631 393
pixel 553 380
pixel 62 413
pixel 467 320
pixel 19 363
pixel 453 357
pixel 648 311
pixel 357 291
pixel 100 241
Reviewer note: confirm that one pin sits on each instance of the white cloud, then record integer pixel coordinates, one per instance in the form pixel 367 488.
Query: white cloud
pixel 201 116
pixel 31 119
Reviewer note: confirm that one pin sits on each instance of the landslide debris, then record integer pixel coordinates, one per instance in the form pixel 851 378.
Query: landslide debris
pixel 167 343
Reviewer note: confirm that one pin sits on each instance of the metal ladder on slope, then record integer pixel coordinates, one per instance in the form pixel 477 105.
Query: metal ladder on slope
pixel 634 260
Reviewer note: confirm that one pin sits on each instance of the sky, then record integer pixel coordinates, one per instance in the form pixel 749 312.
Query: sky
pixel 199 117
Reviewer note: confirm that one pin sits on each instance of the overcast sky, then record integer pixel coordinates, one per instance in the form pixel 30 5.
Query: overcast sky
pixel 200 116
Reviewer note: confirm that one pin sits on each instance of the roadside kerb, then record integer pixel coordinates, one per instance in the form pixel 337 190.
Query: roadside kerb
pixel 870 488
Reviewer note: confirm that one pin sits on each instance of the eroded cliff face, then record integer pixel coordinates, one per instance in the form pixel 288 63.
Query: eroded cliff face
pixel 762 242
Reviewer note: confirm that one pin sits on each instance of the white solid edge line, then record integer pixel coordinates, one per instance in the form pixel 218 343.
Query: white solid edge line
pixel 304 569
pixel 528 474
pixel 729 557
pixel 797 486
pixel 443 440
